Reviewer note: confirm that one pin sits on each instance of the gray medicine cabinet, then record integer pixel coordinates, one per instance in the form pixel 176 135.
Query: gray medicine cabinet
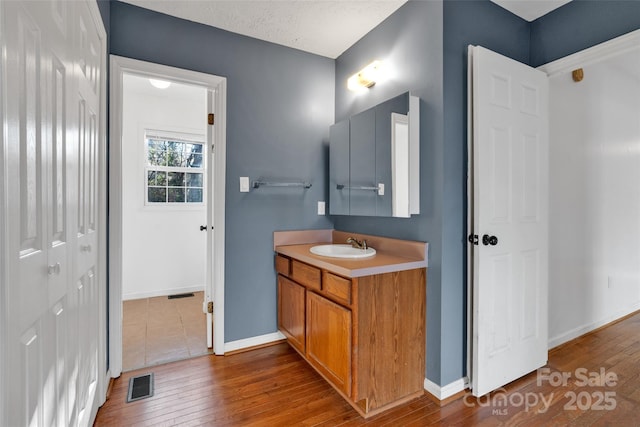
pixel 374 161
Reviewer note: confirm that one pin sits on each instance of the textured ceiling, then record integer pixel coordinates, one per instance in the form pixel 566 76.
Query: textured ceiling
pixel 530 9
pixel 323 27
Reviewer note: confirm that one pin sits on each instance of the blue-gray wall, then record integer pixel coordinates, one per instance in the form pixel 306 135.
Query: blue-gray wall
pixel 279 109
pixel 581 24
pixel 410 43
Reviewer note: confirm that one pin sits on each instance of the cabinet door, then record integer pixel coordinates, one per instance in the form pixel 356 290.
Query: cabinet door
pixel 362 160
pixel 291 311
pixel 339 168
pixel 329 340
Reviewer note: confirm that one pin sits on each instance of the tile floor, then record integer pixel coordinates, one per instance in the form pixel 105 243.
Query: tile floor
pixel 160 330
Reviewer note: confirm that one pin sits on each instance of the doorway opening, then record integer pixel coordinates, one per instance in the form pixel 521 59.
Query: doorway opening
pixel 164 163
pixel 167 166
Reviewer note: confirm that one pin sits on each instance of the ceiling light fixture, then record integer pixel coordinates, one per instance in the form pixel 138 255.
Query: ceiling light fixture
pixel 160 84
pixel 366 77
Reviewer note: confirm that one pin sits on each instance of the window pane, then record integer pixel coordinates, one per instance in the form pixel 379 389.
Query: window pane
pixel 194 195
pixel 176 179
pixel 194 180
pixel 156 155
pixel 156 178
pixel 189 148
pixel 194 161
pixel 175 153
pixel 157 144
pixel 157 195
pixel 176 195
pixel 161 178
pixel 174 158
pixel 193 155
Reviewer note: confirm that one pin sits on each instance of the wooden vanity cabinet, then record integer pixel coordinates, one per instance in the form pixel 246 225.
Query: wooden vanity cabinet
pixel 365 335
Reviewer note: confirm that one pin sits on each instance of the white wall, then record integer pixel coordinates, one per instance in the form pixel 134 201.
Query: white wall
pixel 163 247
pixel 594 197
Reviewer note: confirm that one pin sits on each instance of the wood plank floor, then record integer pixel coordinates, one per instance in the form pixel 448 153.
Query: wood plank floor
pixel 273 386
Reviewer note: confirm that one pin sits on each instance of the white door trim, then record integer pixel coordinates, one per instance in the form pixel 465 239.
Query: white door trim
pixel 119 66
pixel 103 371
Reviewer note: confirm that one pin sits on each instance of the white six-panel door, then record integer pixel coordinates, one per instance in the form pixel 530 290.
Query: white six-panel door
pixel 510 198
pixel 51 79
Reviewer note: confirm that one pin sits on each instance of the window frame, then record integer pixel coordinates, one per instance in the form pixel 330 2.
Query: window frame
pixel 181 137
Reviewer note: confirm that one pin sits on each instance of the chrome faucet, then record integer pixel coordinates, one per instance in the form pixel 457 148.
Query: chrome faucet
pixel 357 244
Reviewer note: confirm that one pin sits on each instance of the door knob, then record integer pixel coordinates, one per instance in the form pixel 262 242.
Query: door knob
pixel 489 240
pixel 204 227
pixel 53 269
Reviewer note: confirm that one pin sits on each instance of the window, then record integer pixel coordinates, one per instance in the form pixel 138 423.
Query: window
pixel 174 170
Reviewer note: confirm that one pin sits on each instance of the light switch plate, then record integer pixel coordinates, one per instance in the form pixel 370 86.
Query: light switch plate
pixel 244 184
pixel 380 189
pixel 320 208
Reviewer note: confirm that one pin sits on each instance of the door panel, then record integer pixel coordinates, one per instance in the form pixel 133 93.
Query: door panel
pixel 31 376
pixel 57 217
pixel 291 309
pixel 329 340
pixel 510 167
pixel 28 168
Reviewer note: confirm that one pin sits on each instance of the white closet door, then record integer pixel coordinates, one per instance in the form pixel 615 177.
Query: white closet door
pixel 510 210
pixel 49 365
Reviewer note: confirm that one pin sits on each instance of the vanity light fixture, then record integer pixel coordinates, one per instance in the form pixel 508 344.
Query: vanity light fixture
pixel 160 84
pixel 366 77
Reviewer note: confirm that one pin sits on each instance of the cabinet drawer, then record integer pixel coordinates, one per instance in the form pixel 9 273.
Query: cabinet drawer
pixel 337 287
pixel 283 265
pixel 305 274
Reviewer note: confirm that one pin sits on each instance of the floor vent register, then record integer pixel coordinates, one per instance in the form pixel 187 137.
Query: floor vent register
pixel 187 295
pixel 140 387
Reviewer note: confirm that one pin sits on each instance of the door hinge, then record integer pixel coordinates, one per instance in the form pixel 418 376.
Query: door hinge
pixel 210 118
pixel 473 239
pixel 210 307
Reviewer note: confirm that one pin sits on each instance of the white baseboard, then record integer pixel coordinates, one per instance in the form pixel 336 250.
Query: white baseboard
pixel 162 292
pixel 443 392
pixel 253 341
pixel 581 330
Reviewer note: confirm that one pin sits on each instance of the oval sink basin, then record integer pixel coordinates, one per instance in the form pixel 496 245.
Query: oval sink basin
pixel 342 251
